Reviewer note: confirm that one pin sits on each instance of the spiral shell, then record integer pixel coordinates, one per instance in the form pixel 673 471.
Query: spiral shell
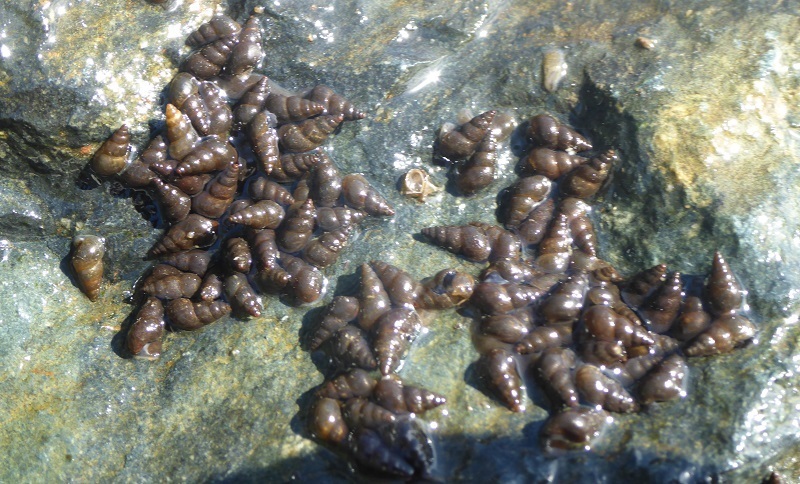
pixel 211 287
pixel 306 283
pixel 298 226
pixel 401 287
pixel 572 429
pixel 598 389
pixel 180 133
pixel 604 324
pixel 209 60
pixel 334 103
pixel 239 292
pixel 309 134
pixel 325 183
pixel 533 229
pixel 290 109
pixel 372 452
pixel 360 195
pixel 167 282
pixel 355 383
pixel 325 249
pixel 264 248
pixel 190 233
pixel 555 372
pixel 501 298
pixel 252 102
pixel 264 214
pixel 392 336
pixel 389 394
pixel 564 305
pixel 139 173
pixel 416 184
pixel 361 413
pixel 237 256
pixel 550 163
pixel 218 27
pixel 265 140
pixel 725 333
pixel 662 308
pixel 664 382
pixel 210 155
pixel 692 321
pixel 246 53
pixel 349 347
pixel 498 372
pixel 333 218
pixel 471 241
pixel 585 180
pixel 220 116
pixel 544 337
pixel 189 315
pixel 580 225
pixel 722 291
pixel 195 261
pixel 192 184
pixel 478 171
pixel 639 286
pixel 175 204
pixel 460 143
pixel 87 263
pixel 555 249
pixel 340 311
pixel 524 196
pixel 147 331
pixel 262 188
pixel 598 352
pixel 112 156
pixel 325 421
pixel 292 166
pixel 505 328
pixel 445 289
pixel 545 130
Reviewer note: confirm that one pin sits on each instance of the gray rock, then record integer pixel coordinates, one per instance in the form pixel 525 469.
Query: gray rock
pixel 707 125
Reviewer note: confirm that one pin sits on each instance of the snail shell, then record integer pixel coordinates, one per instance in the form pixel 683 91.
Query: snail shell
pixel 360 195
pixel 555 249
pixel 356 383
pixel 598 389
pixel 526 195
pixel 663 306
pixel 290 109
pixel 264 248
pixel 333 218
pixel 572 429
pixel 209 60
pixel 189 315
pixel 340 311
pixel 602 352
pixel 195 261
pixel 501 298
pixel 461 142
pixel 401 287
pixel 111 158
pixel 370 451
pixel 325 421
pixel 545 130
pixel 298 226
pixel 175 204
pixel 237 255
pixel 265 139
pixel 478 172
pixel 585 180
pixel 167 282
pixel 192 232
pixel 722 291
pixel 325 182
pixel 361 413
pixel 447 288
pixel 692 321
pixel 506 328
pixel 309 134
pixel 246 53
pixel 533 229
pixel 264 214
pixel 239 292
pixel 543 337
pixel 498 372
pixel 389 394
pixel 604 324
pixel 192 184
pixel 665 382
pixel 325 249
pixel 252 102
pixel 550 163
pixel 334 103
pixel 146 334
pixel 262 188
pixel 349 347
pixel 209 156
pixel 639 286
pixel 220 116
pixel 392 335
pixel 416 184
pixel 639 363
pixel 306 283
pixel 211 287
pixel 420 400
pixel 466 240
pixel 725 333
pixel 580 225
pixel 138 174
pixel 180 133
pixel 292 166
pixel 554 69
pixel 565 303
pixel 87 263
pixel 555 371
pixel 218 27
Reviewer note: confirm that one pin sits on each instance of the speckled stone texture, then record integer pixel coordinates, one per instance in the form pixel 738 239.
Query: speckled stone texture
pixel 708 127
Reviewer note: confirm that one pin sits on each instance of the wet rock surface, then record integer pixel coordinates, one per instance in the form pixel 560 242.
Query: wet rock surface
pixel 707 126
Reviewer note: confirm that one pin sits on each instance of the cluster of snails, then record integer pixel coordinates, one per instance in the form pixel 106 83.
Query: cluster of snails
pixel 252 205
pixel 374 329
pixel 595 341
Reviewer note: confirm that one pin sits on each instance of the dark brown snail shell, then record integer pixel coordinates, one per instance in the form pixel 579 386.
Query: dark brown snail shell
pixel 325 421
pixel 462 141
pixel 477 172
pixel 692 321
pixel 180 133
pixel 174 203
pixel 112 156
pixel 243 297
pixel 572 429
pixel 393 333
pixel 237 255
pixel 87 263
pixel 355 383
pixel 533 229
pixel 334 103
pixel 264 138
pixel 189 315
pixel 167 282
pixel 296 230
pixel 209 60
pixel 724 334
pixel 147 331
pixel 360 195
pixel 550 163
pixel 543 337
pixel 195 261
pixel 349 347
pixel 211 287
pixel 340 311
pixel 662 307
pixel 309 134
pixel 399 285
pixel 333 218
pixel 252 102
pixel 722 291
pixel 373 298
pixel 208 156
pixel 498 371
pixel 190 233
pixel 325 249
pixel 264 214
pixel 664 382
pixel 325 182
pixel 292 166
pixel 445 289
pixel 585 180
pixel 598 389
pixel 218 27
pixel 290 109
pixel 545 130
pixel 262 188
pixel 555 372
pixel 246 53
pixel 526 195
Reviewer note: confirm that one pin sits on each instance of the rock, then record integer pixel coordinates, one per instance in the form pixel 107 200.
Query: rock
pixel 707 125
